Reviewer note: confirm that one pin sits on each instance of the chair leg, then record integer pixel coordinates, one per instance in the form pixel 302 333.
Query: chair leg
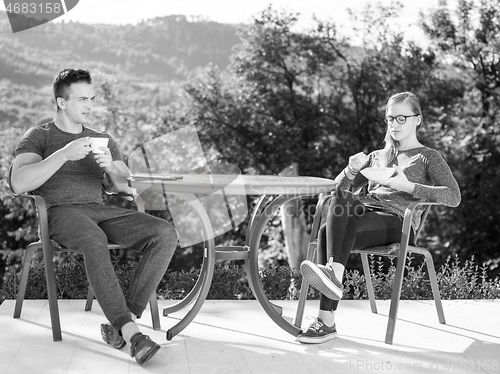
pixel 155 314
pixel 51 287
pixel 153 304
pixel 311 254
pixel 434 286
pixel 396 293
pixel 28 255
pixel 304 288
pixel 90 299
pixel 369 283
pixel 52 295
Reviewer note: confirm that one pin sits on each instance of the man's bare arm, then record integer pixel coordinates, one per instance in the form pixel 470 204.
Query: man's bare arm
pixel 29 171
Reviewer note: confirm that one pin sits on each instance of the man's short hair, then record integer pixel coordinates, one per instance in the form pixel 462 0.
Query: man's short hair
pixel 65 79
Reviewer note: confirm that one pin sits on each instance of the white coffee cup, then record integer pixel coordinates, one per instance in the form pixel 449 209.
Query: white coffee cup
pixel 97 143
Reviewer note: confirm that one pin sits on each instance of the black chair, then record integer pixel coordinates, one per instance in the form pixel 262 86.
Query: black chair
pixel 398 250
pixel 49 246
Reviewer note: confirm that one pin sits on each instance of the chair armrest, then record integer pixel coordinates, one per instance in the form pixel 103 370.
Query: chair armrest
pixel 139 202
pixel 108 190
pixel 41 209
pixel 407 220
pixel 411 208
pixel 121 194
pixel 39 205
pixel 414 204
pixel 36 199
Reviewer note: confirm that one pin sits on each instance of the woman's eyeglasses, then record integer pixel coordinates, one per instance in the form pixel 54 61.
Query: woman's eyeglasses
pixel 399 119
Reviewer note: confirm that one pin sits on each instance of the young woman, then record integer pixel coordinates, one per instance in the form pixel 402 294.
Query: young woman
pixel 375 219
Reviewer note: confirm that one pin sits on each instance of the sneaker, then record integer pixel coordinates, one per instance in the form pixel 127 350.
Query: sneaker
pixel 317 333
pixel 322 277
pixel 142 348
pixel 112 336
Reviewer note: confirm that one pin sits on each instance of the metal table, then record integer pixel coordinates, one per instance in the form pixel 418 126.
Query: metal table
pixel 274 191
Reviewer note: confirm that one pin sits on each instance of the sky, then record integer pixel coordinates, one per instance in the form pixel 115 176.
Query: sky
pixel 236 11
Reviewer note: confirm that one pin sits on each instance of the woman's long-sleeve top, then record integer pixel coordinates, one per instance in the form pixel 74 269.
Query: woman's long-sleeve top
pixel 423 166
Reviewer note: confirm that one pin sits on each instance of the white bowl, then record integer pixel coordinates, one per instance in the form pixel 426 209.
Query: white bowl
pixel 377 174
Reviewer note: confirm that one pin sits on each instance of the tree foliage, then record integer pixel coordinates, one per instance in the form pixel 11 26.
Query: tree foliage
pixel 470 41
pixel 315 98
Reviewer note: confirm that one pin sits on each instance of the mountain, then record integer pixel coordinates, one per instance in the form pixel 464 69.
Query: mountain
pixel 142 59
pixel 169 48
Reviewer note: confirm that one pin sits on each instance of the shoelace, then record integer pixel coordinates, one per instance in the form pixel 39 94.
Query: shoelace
pixel 316 325
pixel 329 265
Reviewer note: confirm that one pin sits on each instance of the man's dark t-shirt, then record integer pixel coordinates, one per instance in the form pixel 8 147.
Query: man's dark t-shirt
pixel 76 182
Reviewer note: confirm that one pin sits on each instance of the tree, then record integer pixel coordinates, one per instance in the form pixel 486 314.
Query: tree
pixel 470 42
pixel 311 98
pixel 314 99
pixel 17 216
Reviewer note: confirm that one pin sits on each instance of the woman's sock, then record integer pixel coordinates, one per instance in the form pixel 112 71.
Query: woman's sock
pixel 328 317
pixel 338 269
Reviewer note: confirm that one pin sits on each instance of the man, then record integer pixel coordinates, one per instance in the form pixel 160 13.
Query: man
pixel 55 161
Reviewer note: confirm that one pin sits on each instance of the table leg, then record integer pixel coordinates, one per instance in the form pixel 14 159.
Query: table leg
pixel 207 272
pixel 194 291
pixel 257 210
pixel 254 237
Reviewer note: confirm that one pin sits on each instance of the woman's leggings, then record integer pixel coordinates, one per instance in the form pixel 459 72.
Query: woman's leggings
pixel 349 226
